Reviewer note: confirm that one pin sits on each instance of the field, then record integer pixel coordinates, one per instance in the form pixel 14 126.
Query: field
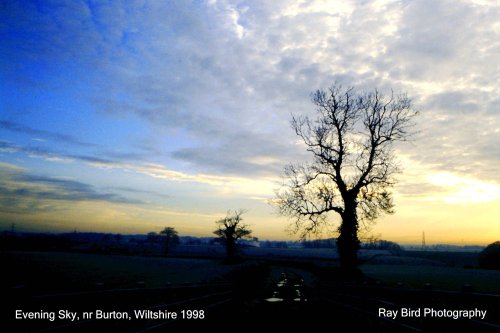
pixel 444 270
pixel 451 259
pixel 446 278
pixel 60 271
pixel 84 282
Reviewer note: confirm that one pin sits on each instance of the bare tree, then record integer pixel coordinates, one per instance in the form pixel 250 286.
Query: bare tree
pixel 170 239
pixel 230 229
pixel 353 165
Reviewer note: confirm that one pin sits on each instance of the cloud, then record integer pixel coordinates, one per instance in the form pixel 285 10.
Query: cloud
pixel 59 137
pixel 21 191
pixel 241 154
pixel 193 99
pixel 135 190
pixel 215 82
pixel 457 101
pixel 34 151
pixel 456 189
pixel 221 184
pixel 9 147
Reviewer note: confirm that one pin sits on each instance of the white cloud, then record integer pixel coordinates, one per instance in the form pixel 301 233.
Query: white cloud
pixel 456 189
pixel 215 83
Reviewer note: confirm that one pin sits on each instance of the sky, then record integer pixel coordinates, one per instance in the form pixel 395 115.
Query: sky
pixel 130 116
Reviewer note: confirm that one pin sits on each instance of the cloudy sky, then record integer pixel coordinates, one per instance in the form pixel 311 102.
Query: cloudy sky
pixel 129 116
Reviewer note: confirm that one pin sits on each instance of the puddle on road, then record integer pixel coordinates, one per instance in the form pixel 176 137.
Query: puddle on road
pixel 289 288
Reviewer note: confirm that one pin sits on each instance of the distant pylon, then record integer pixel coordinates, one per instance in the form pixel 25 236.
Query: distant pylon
pixel 423 241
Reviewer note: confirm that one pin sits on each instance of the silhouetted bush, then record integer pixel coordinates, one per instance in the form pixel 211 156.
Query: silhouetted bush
pixel 490 257
pixel 394 248
pixel 329 243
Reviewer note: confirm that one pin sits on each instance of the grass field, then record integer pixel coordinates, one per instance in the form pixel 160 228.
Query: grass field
pixel 60 271
pixel 46 272
pixel 446 278
pixel 452 259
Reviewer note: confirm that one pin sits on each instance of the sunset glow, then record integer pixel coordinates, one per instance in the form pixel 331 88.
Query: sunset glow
pixel 127 117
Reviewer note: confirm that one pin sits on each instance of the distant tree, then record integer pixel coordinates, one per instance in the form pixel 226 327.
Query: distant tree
pixel 170 239
pixel 153 237
pixel 353 163
pixel 381 244
pixel 490 257
pixel 230 229
pixel 274 244
pixel 320 243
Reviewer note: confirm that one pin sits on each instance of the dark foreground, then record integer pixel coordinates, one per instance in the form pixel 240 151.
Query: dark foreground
pixel 249 296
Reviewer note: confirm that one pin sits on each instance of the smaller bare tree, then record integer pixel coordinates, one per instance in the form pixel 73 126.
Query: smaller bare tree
pixel 170 239
pixel 230 229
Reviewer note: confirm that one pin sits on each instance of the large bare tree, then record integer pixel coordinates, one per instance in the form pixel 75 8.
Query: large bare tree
pixel 353 163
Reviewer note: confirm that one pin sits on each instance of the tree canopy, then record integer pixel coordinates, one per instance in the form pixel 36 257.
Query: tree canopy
pixel 170 238
pixel 230 229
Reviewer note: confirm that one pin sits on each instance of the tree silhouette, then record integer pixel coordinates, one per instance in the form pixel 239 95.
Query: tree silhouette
pixel 153 237
pixel 353 164
pixel 230 229
pixel 490 257
pixel 170 239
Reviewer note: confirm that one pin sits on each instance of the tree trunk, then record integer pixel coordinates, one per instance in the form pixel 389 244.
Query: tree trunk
pixel 230 248
pixel 167 246
pixel 348 242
